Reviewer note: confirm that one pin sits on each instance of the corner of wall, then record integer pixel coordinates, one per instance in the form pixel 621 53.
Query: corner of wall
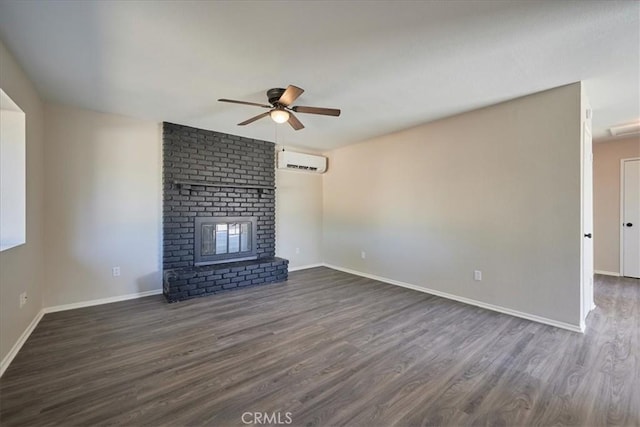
pixel 21 268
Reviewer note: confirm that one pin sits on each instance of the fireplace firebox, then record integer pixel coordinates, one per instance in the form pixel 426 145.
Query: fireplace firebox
pixel 224 239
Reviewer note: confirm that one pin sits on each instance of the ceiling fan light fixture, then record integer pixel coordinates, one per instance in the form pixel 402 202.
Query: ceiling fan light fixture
pixel 281 101
pixel 279 116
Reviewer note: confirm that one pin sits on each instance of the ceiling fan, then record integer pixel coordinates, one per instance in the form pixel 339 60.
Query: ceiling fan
pixel 281 110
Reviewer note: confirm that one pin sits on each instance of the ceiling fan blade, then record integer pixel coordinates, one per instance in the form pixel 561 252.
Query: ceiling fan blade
pixel 317 110
pixel 294 122
pixel 245 103
pixel 253 119
pixel 291 94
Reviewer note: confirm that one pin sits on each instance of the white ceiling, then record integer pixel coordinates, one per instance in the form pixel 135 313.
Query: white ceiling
pixel 388 65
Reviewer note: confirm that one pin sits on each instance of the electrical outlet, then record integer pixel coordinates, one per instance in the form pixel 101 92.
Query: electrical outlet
pixel 297 250
pixel 23 299
pixel 363 255
pixel 477 275
pixel 115 271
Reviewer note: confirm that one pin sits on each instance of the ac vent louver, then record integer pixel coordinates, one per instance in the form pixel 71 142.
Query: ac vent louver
pixel 301 162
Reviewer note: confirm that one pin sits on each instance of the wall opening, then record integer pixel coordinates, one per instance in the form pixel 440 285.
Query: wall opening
pixel 12 173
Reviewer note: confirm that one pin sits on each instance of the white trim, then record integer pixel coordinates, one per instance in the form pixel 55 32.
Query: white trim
pixel 101 301
pixel 622 161
pixel 18 345
pixel 305 267
pixel 620 215
pixel 27 332
pixel 607 273
pixel 586 281
pixel 499 309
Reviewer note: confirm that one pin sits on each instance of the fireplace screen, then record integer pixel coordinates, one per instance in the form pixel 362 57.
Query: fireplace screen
pixel 224 239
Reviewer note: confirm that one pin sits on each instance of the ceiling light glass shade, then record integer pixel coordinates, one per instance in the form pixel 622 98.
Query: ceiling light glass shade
pixel 279 116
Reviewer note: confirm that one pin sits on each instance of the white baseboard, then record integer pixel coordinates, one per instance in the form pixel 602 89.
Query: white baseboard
pixel 101 301
pixel 6 361
pixel 499 309
pixel 607 273
pixel 304 267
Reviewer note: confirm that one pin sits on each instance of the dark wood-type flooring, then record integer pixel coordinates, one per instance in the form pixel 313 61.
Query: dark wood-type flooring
pixel 331 349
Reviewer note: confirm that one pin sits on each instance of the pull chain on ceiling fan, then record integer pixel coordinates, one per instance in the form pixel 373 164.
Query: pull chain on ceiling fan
pixel 281 110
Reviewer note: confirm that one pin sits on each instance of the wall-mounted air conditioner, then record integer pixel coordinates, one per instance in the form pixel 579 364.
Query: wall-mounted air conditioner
pixel 301 162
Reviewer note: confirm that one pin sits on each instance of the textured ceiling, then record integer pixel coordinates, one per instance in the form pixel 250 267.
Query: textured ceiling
pixel 388 65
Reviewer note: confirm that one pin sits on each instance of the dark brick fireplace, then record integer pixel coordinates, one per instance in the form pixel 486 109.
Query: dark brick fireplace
pixel 217 178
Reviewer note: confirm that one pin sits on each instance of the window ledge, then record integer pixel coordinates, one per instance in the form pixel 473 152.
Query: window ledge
pixel 5 246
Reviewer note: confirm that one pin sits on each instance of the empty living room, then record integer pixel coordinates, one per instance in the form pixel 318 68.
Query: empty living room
pixel 361 213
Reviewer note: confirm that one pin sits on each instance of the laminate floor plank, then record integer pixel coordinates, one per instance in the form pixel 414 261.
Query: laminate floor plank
pixel 331 349
pixel 442 357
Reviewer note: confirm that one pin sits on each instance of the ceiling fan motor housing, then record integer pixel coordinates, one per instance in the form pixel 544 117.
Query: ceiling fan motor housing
pixel 274 95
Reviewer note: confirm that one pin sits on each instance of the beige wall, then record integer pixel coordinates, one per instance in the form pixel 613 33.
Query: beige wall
pixel 299 217
pixel 606 199
pixel 103 205
pixel 21 267
pixel 496 189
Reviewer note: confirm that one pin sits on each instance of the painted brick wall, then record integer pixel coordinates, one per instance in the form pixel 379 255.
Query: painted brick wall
pixel 191 154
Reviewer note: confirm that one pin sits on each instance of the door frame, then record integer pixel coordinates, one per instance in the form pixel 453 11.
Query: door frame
pixel 622 161
pixel 587 285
